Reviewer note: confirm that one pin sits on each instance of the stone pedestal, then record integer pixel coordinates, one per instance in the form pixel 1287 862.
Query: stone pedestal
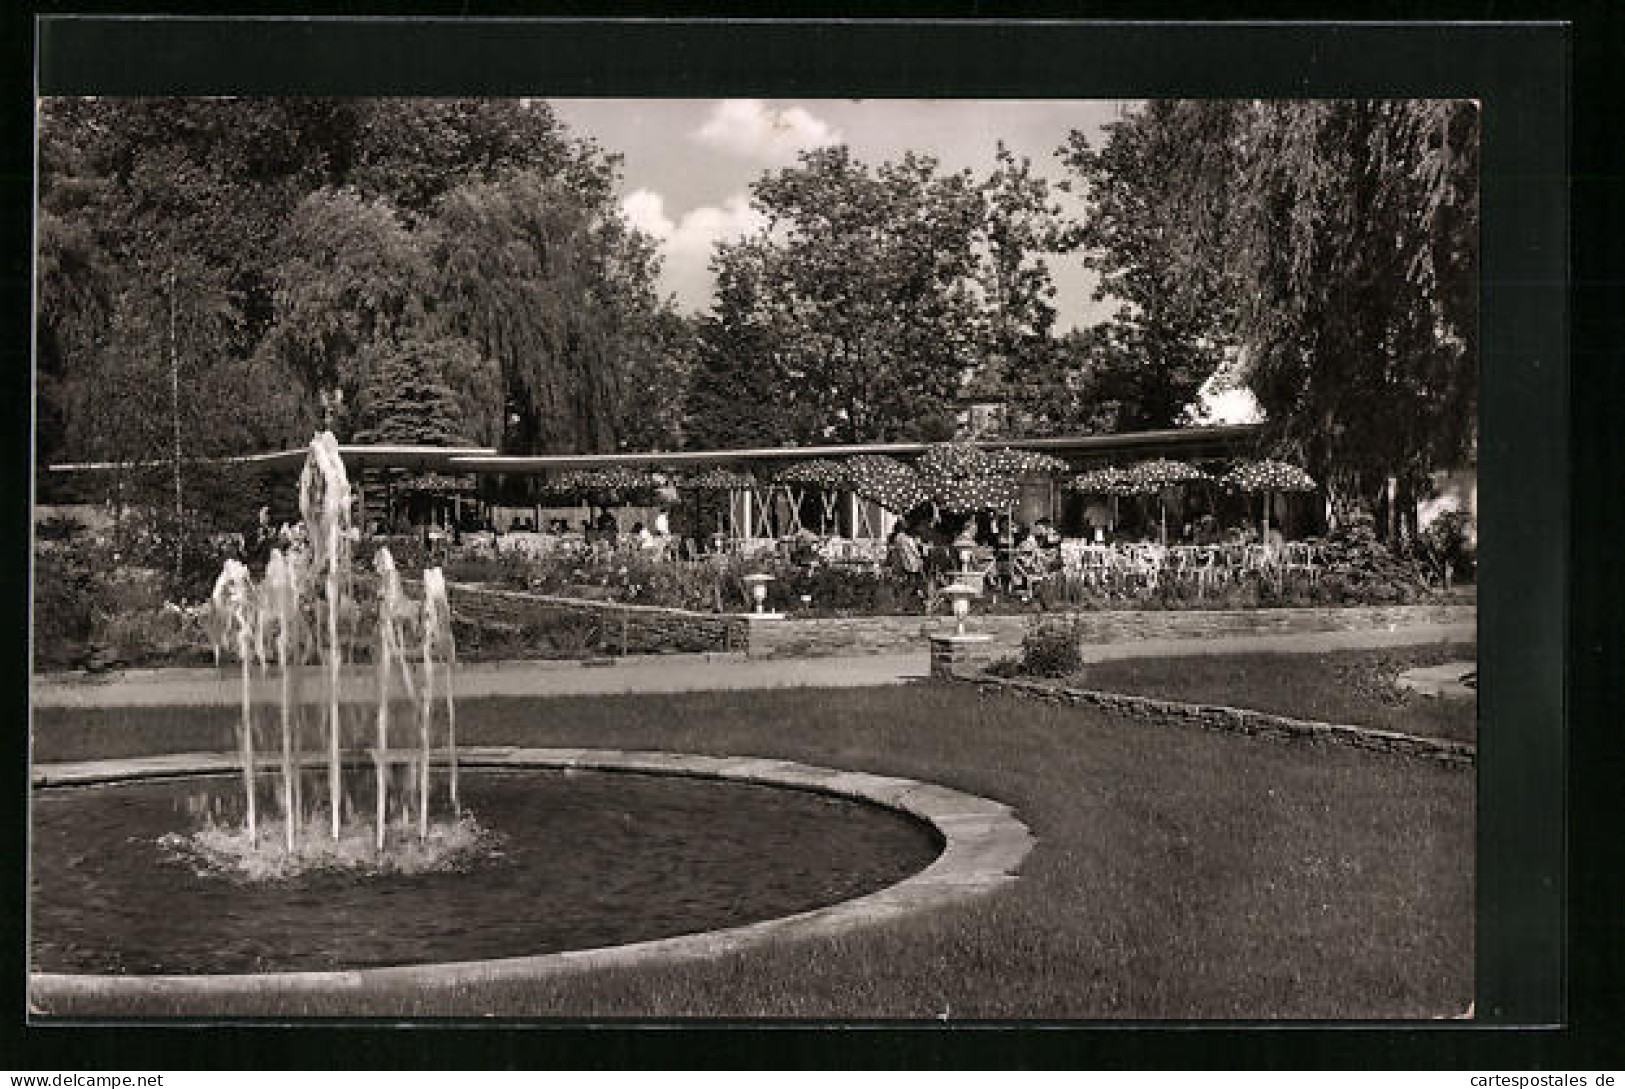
pixel 951 651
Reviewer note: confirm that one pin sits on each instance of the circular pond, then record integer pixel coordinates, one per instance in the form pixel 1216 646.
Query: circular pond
pixel 580 860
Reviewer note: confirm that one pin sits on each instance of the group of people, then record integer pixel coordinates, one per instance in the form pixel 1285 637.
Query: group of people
pixel 925 551
pixel 607 529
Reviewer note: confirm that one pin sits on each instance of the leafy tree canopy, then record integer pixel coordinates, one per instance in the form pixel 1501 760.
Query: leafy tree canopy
pixel 1329 246
pixel 870 296
pixel 268 252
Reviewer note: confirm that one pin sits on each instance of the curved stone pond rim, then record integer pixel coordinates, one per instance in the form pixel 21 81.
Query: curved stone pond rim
pixel 983 841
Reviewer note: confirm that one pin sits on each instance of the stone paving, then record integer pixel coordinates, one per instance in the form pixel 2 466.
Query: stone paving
pixel 1445 681
pixel 656 673
pixel 824 654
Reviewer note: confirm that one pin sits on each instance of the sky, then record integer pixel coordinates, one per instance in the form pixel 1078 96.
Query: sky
pixel 687 166
pixel 688 163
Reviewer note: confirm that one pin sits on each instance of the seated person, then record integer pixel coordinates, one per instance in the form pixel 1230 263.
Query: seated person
pixel 1027 562
pixel 804 547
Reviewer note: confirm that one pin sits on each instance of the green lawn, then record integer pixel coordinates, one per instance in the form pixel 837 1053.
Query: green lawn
pixel 1351 687
pixel 1178 873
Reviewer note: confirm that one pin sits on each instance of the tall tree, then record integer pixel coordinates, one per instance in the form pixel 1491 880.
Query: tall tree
pixel 856 296
pixel 558 291
pixel 166 209
pixel 428 393
pixel 1331 244
pixel 1021 224
pixel 1358 245
pixel 1159 189
pixel 411 152
pixel 346 275
pixel 659 375
pixel 741 393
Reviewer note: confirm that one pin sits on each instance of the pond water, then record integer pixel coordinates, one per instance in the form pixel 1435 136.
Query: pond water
pixel 579 860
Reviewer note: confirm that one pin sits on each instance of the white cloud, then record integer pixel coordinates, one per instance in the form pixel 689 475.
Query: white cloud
pixel 687 243
pixel 750 128
pixel 647 212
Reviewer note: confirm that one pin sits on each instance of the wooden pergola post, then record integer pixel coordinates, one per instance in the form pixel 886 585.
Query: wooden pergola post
pixel 764 501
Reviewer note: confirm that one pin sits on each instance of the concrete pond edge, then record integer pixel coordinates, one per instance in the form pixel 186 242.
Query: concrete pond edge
pixel 984 844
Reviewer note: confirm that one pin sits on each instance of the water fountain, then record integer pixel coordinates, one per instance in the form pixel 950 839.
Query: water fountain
pixel 280 879
pixel 303 622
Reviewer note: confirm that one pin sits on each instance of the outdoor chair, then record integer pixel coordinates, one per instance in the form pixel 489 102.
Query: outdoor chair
pixel 984 566
pixel 1092 565
pixel 1027 571
pixel 1197 564
pixel 1266 560
pixel 1143 563
pixel 1301 557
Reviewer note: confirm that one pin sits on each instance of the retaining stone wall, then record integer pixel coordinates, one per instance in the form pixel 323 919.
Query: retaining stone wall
pixel 792 638
pixel 1216 717
pixel 626 629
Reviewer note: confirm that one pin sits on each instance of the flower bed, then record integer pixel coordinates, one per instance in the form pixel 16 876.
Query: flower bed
pixel 95 609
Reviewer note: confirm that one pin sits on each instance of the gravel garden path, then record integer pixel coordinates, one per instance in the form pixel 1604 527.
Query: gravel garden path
pixel 704 672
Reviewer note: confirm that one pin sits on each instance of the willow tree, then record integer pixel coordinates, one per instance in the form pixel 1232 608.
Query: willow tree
pixel 558 291
pixel 1358 254
pixel 1333 244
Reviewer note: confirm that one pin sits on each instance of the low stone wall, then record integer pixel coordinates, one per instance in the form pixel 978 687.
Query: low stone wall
pixel 625 629
pixel 1216 717
pixel 792 638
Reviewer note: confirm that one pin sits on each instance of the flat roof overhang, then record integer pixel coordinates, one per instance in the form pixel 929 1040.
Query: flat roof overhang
pixel 1219 439
pixel 355 455
pixel 1192 441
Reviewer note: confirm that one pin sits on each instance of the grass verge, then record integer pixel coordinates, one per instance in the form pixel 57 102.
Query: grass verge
pixel 1177 874
pixel 1350 687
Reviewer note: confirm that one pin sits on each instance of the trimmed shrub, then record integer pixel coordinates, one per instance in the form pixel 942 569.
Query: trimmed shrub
pixel 64 613
pixel 1052 649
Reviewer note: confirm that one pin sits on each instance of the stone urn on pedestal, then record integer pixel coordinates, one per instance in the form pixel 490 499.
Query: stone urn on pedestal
pixel 949 650
pixel 757 585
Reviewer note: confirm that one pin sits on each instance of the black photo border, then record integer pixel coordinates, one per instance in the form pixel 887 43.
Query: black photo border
pixel 1520 72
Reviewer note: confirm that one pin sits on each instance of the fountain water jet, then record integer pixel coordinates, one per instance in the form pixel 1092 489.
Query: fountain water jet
pixel 324 501
pixel 293 617
pixel 233 598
